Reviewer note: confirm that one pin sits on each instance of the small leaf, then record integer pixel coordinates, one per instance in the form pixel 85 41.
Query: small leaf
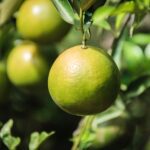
pixel 75 5
pixel 103 24
pixel 86 4
pixel 147 4
pixel 119 21
pixel 65 10
pixel 143 4
pixel 126 7
pixel 8 9
pixel 5 134
pixel 138 86
pixel 106 11
pixel 102 13
pixel 37 139
pixel 141 38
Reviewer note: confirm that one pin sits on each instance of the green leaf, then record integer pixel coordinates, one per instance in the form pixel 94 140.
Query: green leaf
pixel 8 8
pixel 76 5
pixel 143 4
pixel 86 4
pixel 102 13
pixel 138 86
pixel 141 38
pixel 106 11
pixel 119 21
pixel 5 134
pixel 65 9
pixel 103 24
pixel 126 7
pixel 37 139
pixel 147 4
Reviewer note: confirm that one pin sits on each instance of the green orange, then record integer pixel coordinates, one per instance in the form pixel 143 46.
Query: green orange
pixel 26 65
pixel 135 60
pixel 39 20
pixel 84 81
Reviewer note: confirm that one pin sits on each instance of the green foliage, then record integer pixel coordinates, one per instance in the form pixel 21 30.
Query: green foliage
pixel 5 134
pixel 130 50
pixel 103 130
pixel 7 9
pixel 12 142
pixel 65 10
pixel 37 139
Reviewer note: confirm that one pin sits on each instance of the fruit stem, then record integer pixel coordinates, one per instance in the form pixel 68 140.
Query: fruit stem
pixel 82 14
pixel 86 124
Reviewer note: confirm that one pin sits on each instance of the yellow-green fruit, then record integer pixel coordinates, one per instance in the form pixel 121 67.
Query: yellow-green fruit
pixel 133 58
pixel 39 20
pixel 84 81
pixel 27 66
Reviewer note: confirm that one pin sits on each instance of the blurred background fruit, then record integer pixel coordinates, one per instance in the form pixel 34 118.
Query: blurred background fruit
pixel 39 21
pixel 27 66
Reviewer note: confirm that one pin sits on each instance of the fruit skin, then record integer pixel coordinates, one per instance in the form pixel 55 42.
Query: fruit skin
pixel 3 80
pixel 39 20
pixel 26 65
pixel 84 81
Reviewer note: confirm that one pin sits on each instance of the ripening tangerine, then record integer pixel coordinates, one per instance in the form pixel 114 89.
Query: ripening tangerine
pixel 27 66
pixel 84 81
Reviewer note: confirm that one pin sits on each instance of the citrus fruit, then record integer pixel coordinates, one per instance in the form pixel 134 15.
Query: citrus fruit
pixel 147 53
pixel 84 81
pixel 26 65
pixel 133 57
pixel 39 20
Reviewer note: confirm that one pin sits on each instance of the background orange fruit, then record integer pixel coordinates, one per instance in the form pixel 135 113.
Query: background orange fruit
pixel 39 20
pixel 26 65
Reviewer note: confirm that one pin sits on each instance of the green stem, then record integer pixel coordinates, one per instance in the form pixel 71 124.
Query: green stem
pixel 86 124
pixel 82 14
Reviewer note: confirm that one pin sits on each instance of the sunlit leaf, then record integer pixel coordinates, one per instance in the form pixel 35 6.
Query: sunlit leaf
pixel 119 21
pixel 5 134
pixel 126 7
pixel 102 13
pixel 37 139
pixel 103 24
pixel 106 11
pixel 138 86
pixel 65 10
pixel 141 38
pixel 8 8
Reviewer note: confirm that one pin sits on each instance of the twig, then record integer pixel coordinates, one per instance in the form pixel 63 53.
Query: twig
pixel 86 124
